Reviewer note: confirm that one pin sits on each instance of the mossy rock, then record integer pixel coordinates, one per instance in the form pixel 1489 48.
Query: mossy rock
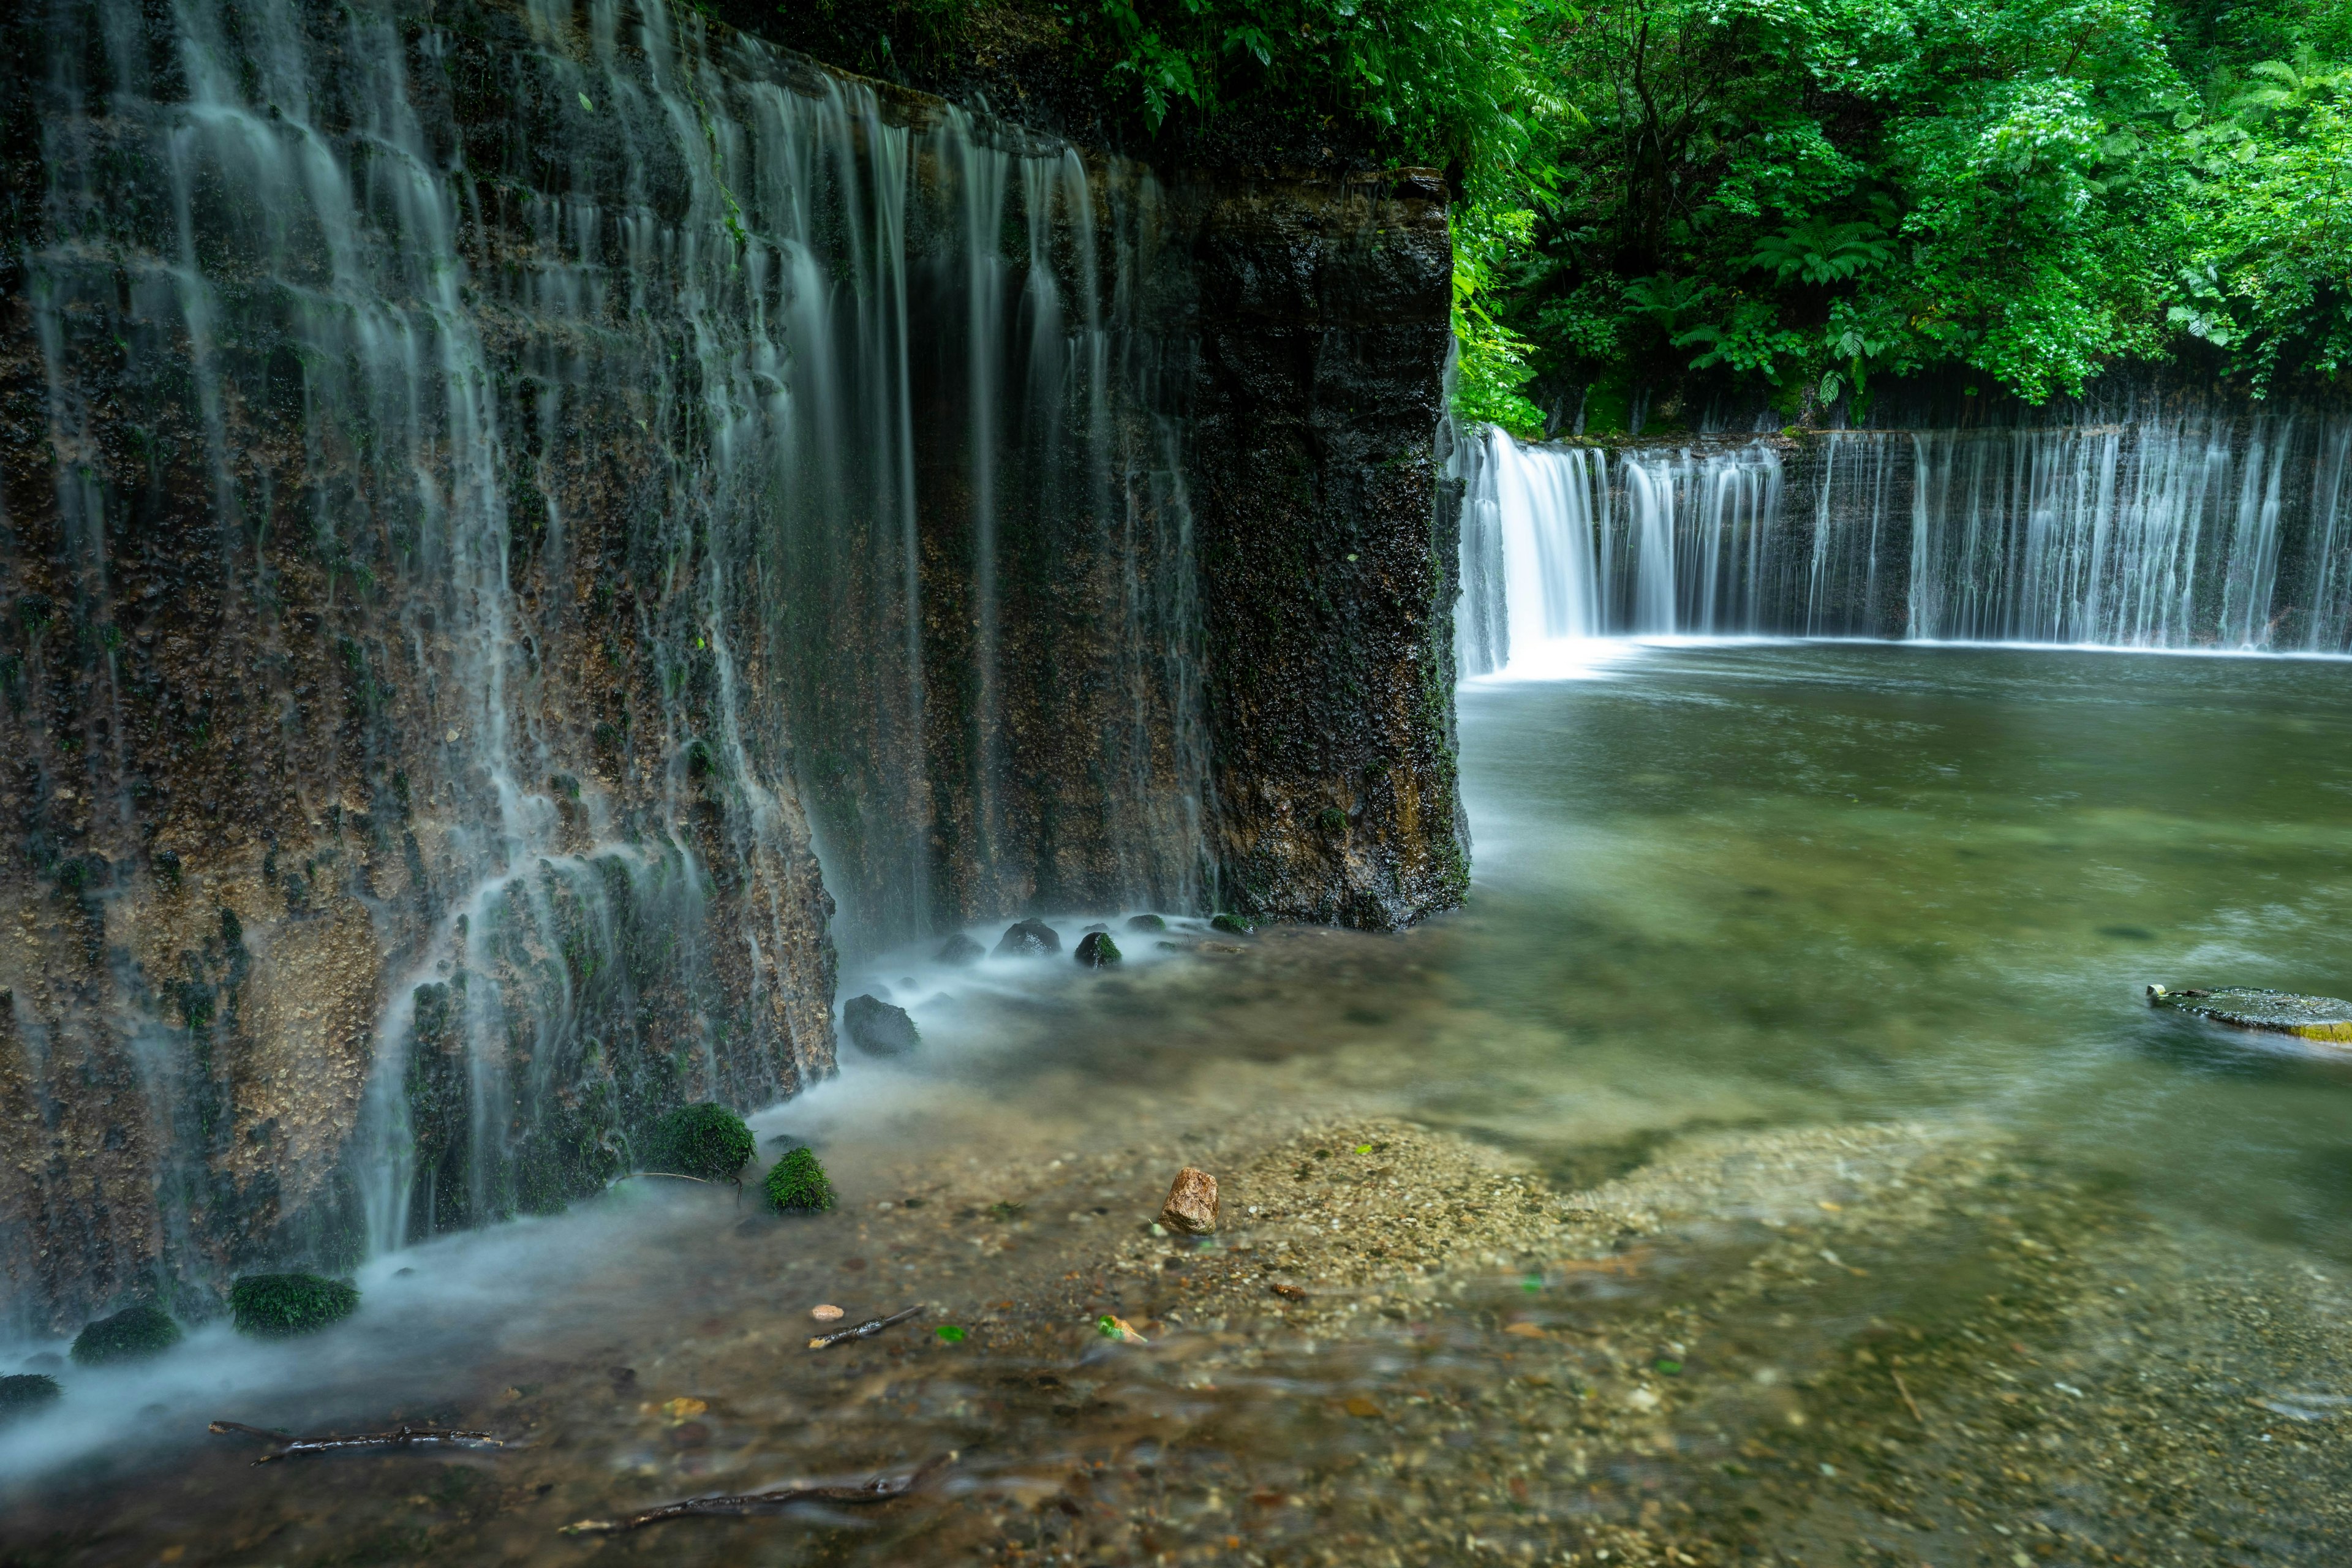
pixel 2323 1018
pixel 797 1185
pixel 707 1140
pixel 1233 925
pixel 26 1393
pixel 1098 950
pixel 877 1028
pixel 281 1304
pixel 1146 923
pixel 128 1335
pixel 1029 938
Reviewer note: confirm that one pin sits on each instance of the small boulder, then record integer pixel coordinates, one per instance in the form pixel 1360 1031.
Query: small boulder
pixel 1192 1206
pixel 26 1393
pixel 128 1335
pixel 1146 923
pixel 2323 1018
pixel 1098 950
pixel 797 1185
pixel 1029 938
pixel 960 950
pixel 1235 925
pixel 1096 926
pixel 877 1028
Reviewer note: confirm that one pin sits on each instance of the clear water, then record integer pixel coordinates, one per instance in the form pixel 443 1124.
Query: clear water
pixel 1723 891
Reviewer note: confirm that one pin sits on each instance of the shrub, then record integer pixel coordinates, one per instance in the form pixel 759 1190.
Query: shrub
pixel 128 1335
pixel 797 1185
pixel 280 1304
pixel 707 1140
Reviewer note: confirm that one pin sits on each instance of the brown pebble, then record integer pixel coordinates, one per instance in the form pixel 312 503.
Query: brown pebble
pixel 1192 1206
pixel 825 1313
pixel 1290 1292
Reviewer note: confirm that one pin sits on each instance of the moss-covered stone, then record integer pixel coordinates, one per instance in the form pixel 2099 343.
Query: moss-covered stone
pixel 1233 924
pixel 879 1029
pixel 797 1185
pixel 707 1140
pixel 1098 950
pixel 26 1393
pixel 128 1335
pixel 275 1304
pixel 1146 923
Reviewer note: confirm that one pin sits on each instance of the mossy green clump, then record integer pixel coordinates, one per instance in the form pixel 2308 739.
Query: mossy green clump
pixel 707 1140
pixel 26 1393
pixel 281 1304
pixel 128 1335
pixel 1146 923
pixel 1098 950
pixel 797 1185
pixel 1233 925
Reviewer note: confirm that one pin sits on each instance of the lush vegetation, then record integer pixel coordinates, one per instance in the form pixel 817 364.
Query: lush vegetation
pixel 1797 198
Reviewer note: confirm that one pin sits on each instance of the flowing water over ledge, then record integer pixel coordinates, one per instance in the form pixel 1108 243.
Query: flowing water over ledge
pixel 1776 1162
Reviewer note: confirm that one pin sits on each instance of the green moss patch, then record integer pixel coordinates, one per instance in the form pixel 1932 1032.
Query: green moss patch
pixel 278 1304
pixel 128 1335
pixel 797 1185
pixel 26 1393
pixel 707 1140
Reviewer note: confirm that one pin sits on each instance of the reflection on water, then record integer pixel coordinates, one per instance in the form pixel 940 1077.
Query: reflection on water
pixel 1792 1041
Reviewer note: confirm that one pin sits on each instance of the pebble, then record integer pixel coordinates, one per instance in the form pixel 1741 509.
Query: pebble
pixel 825 1313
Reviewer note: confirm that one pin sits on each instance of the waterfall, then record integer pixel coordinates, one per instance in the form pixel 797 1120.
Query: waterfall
pixel 535 480
pixel 2186 527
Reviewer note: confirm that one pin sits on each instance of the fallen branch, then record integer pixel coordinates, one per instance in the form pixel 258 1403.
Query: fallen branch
pixel 1906 1393
pixel 288 1445
pixel 864 1330
pixel 881 1489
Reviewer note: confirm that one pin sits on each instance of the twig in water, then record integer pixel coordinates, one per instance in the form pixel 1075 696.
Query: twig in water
pixel 864 1330
pixel 289 1446
pixel 1906 1393
pixel 881 1489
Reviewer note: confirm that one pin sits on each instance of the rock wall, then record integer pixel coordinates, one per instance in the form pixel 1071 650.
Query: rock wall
pixel 1327 562
pixel 492 495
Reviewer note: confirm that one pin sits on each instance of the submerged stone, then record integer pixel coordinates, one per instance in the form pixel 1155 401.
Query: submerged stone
pixel 1146 923
pixel 797 1185
pixel 1029 938
pixel 128 1335
pixel 26 1393
pixel 281 1304
pixel 1098 950
pixel 1192 1206
pixel 877 1028
pixel 2324 1018
pixel 960 950
pixel 707 1140
pixel 1238 925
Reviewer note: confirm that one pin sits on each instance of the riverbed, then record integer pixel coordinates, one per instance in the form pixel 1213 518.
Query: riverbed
pixel 1776 1161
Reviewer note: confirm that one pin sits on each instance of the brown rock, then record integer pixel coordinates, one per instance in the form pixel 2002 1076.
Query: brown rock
pixel 1192 1206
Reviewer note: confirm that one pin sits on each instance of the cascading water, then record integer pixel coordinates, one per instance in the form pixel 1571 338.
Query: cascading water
pixel 513 461
pixel 2184 529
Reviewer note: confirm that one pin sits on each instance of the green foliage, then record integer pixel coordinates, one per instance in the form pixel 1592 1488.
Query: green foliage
pixel 707 1140
pixel 128 1335
pixel 24 1392
pixel 1803 193
pixel 1440 81
pixel 281 1304
pixel 797 1185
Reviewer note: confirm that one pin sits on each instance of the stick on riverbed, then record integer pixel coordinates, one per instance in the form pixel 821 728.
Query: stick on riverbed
pixel 881 1489
pixel 864 1330
pixel 401 1438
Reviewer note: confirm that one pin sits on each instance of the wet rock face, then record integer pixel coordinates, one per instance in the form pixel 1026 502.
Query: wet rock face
pixel 1326 558
pixel 408 754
